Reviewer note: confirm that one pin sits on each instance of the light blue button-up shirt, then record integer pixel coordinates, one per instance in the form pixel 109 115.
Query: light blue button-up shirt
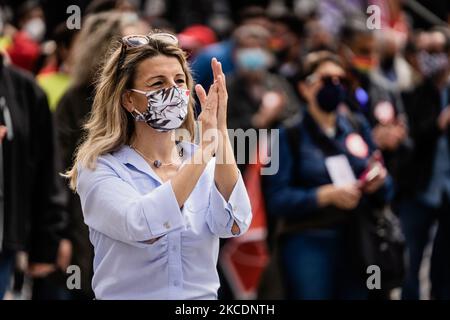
pixel 125 204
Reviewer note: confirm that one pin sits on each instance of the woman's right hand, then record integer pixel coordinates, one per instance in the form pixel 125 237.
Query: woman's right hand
pixel 345 197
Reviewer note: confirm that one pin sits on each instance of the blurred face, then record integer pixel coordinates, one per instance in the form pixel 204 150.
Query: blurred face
pixel 387 49
pixel 436 43
pixel 282 38
pixel 155 95
pixel 325 87
pixel 35 13
pixel 362 55
pixel 432 58
pixel 317 37
pixel 313 84
pixel 33 24
pixel 251 56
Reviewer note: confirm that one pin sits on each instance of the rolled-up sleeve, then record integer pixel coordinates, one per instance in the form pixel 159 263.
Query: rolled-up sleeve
pixel 114 208
pixel 222 214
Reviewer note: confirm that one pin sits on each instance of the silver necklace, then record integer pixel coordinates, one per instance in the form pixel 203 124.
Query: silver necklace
pixel 158 163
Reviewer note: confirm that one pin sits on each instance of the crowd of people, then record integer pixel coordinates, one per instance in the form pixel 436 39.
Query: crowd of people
pixel 364 135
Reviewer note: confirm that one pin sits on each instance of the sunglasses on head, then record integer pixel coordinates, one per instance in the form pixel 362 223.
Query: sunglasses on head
pixel 136 41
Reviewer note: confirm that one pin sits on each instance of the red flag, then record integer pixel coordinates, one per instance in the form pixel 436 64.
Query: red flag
pixel 243 259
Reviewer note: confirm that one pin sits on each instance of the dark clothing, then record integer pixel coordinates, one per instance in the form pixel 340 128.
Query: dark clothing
pixel 423 106
pixel 291 195
pixel 6 268
pixel 317 267
pixel 70 115
pixel 292 192
pixel 425 200
pixel 242 106
pixel 34 204
pixel 417 220
pixel 378 92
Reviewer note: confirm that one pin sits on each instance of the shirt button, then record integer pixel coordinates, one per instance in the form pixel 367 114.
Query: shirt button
pixel 176 283
pixel 167 225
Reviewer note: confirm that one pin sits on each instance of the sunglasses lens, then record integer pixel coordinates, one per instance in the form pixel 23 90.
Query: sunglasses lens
pixel 165 37
pixel 136 41
pixel 334 80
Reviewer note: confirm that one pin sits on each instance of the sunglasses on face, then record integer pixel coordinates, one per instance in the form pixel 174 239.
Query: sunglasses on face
pixel 327 79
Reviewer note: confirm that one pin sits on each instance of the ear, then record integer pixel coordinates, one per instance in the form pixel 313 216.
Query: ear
pixel 303 89
pixel 127 101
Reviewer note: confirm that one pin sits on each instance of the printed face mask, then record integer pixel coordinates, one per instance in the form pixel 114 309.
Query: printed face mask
pixel 431 64
pixel 166 109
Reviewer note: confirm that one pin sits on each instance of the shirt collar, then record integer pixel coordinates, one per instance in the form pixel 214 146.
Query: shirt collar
pixel 128 156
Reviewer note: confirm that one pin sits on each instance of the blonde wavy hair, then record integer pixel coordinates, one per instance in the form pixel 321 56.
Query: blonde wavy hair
pixel 110 125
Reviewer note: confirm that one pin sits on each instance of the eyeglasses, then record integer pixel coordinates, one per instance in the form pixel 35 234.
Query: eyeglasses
pixel 136 41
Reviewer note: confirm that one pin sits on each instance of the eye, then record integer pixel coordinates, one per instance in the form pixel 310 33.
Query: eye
pixel 156 84
pixel 180 81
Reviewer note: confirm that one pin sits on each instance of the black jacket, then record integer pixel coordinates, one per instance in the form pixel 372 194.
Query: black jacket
pixel 423 106
pixel 378 91
pixel 71 113
pixel 34 204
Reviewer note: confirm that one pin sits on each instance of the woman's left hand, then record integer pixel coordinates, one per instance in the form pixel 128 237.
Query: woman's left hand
pixel 219 76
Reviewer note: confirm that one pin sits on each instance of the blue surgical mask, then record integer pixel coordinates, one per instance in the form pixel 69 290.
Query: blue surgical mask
pixel 253 59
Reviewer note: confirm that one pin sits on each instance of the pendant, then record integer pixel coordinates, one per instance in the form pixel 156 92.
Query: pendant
pixel 157 163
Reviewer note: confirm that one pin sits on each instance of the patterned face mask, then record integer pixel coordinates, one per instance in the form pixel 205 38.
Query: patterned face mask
pixel 166 109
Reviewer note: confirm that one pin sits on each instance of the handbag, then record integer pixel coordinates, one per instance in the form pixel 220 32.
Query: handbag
pixel 381 243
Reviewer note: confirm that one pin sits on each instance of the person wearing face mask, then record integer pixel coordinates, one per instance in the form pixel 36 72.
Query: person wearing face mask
pixel 96 35
pixel 320 188
pixel 366 92
pixel 259 99
pixel 286 43
pixel 30 22
pixel 373 94
pixel 393 70
pixel 155 203
pixel 426 197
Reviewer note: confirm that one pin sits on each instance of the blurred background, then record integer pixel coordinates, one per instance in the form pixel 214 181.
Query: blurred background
pixel 391 62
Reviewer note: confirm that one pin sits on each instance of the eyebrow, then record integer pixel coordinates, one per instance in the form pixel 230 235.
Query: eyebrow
pixel 161 76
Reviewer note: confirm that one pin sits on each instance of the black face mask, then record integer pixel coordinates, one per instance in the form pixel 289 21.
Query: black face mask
pixel 387 63
pixel 330 96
